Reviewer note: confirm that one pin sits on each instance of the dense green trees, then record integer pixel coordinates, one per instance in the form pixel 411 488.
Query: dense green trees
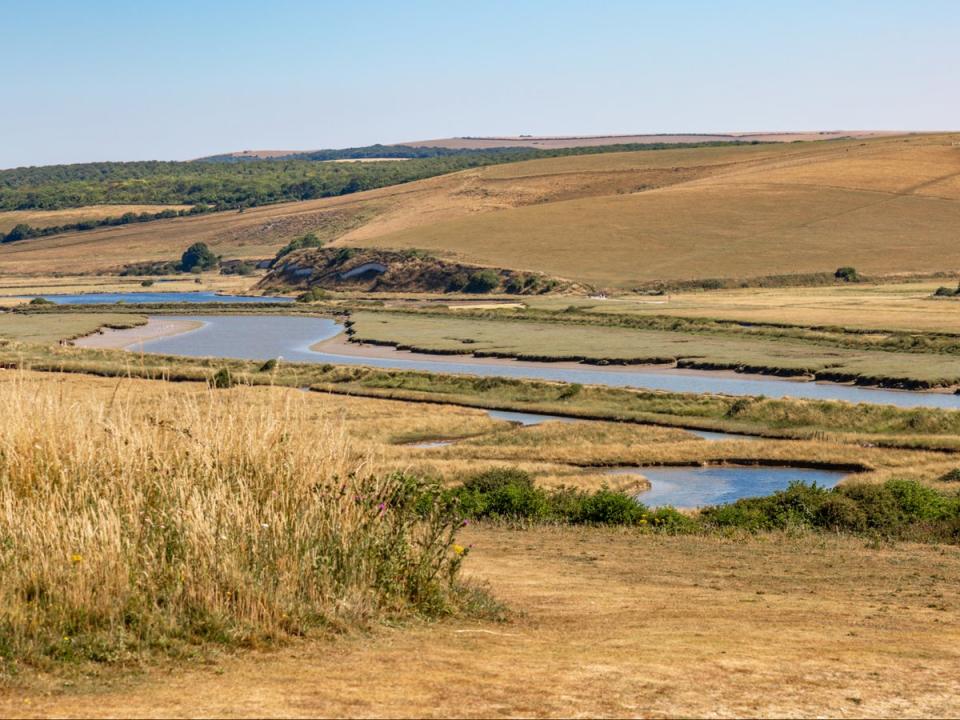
pixel 227 182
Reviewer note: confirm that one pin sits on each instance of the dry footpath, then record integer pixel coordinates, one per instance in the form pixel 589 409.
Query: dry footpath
pixel 608 623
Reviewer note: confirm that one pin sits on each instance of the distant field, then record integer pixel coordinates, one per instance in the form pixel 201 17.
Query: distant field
pixel 48 218
pixel 617 220
pixel 907 307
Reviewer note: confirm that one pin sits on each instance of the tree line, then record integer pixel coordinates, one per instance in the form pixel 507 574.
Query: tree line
pixel 247 183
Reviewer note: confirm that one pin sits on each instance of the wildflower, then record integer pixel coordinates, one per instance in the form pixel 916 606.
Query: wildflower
pixel 464 523
pixel 459 549
pixel 264 525
pixel 76 558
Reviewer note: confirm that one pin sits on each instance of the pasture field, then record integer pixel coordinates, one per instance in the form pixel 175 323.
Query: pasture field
pixel 884 205
pixel 49 218
pixel 559 340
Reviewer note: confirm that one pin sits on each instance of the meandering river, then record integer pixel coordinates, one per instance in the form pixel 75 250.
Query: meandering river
pixel 260 337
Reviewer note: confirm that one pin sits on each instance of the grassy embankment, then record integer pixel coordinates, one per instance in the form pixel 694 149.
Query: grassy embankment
pixel 132 528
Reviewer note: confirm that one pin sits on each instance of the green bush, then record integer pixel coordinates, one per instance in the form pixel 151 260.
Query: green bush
pixel 314 294
pixel 310 240
pixel 609 507
pixel 951 477
pixel 146 283
pixel 41 301
pixel 847 274
pixel 482 281
pixel 503 493
pixel 198 257
pixel 222 379
pixel 269 366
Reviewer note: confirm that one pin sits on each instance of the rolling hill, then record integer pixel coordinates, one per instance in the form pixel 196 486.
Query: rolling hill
pixel 884 205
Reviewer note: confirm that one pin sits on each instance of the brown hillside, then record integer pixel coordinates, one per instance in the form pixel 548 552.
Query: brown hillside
pixel 884 205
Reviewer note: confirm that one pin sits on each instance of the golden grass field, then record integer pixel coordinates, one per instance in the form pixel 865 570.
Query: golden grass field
pixel 604 623
pixel 884 205
pixel 895 306
pixel 46 218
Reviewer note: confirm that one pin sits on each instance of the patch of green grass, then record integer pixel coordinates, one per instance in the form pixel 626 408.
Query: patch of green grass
pixel 55 326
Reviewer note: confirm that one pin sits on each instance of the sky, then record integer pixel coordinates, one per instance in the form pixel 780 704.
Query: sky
pixel 107 80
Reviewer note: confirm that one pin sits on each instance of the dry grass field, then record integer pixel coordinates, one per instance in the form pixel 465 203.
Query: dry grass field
pixel 605 623
pixel 598 621
pixel 884 205
pixel 907 307
pixel 46 218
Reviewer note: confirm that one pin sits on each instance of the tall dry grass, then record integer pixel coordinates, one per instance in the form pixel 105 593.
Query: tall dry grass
pixel 129 527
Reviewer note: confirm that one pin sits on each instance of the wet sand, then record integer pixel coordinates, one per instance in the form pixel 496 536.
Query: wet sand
pixel 129 338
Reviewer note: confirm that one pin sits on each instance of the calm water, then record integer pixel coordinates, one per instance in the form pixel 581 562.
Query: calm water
pixel 691 487
pixel 135 298
pixel 262 337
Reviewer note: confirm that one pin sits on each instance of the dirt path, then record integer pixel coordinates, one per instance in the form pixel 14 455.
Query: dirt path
pixel 610 623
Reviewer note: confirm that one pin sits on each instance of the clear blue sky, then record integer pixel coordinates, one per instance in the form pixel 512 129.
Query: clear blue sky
pixel 104 80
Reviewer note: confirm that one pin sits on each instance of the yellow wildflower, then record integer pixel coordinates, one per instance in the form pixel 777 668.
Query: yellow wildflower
pixel 76 558
pixel 459 549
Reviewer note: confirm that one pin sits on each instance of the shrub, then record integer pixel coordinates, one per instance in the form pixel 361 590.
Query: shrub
pixel 146 283
pixel 269 366
pixel 609 507
pixel 314 294
pixel 21 231
pixel 943 291
pixel 504 493
pixel 570 391
pixel 951 477
pixel 847 274
pixel 222 379
pixel 310 240
pixel 839 512
pixel 41 301
pixel 198 257
pixel 482 281
pixel 457 282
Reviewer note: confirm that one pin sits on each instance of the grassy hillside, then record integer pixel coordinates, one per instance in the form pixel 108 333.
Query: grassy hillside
pixel 884 205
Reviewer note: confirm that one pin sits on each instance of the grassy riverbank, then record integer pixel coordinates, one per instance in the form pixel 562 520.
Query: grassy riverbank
pixel 787 418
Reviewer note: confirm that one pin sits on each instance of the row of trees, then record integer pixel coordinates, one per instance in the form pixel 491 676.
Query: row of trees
pixel 24 231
